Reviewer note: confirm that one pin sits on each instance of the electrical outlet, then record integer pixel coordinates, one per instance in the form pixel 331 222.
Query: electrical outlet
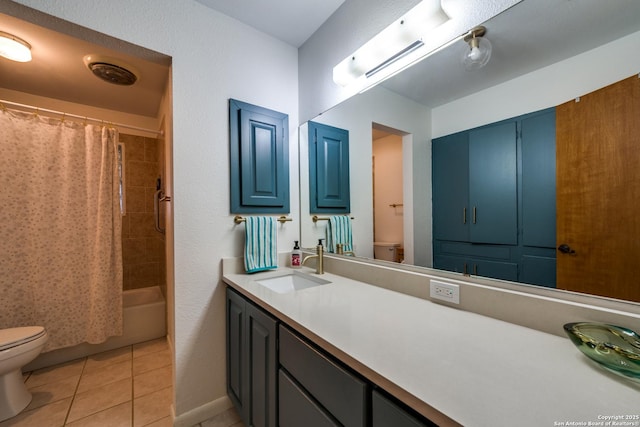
pixel 444 291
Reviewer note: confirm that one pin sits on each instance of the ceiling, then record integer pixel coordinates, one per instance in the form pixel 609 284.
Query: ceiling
pixel 58 71
pixel 531 35
pixel 292 21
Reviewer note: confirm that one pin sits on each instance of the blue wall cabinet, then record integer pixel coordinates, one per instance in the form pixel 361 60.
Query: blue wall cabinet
pixel 328 169
pixel 259 155
pixel 474 185
pixel 494 200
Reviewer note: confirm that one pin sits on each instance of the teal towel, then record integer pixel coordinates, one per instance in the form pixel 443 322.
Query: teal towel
pixel 260 245
pixel 339 231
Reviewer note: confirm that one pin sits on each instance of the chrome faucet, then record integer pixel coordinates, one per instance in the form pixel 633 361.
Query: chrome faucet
pixel 320 258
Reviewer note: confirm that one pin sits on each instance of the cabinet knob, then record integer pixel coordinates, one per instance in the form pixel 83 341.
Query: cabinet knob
pixel 566 249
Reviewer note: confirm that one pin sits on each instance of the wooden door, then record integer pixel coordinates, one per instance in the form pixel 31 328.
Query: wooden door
pixel 598 192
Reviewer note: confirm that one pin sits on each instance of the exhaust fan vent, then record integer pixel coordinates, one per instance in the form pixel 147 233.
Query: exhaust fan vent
pixel 110 71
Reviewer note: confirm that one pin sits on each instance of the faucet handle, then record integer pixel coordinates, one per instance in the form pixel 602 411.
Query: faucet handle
pixel 320 242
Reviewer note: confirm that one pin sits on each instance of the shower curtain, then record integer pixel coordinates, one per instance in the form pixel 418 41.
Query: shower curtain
pixel 60 229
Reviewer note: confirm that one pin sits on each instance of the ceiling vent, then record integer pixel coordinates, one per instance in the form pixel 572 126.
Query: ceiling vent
pixel 111 70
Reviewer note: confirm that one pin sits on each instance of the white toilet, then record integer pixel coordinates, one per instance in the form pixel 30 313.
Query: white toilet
pixel 18 346
pixel 385 250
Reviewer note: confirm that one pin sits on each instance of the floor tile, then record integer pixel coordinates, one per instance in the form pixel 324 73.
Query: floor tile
pixel 152 407
pixel 148 347
pixel 101 360
pixel 117 416
pixel 99 399
pixel 55 373
pixel 106 375
pixel 52 415
pixel 151 381
pixel 151 361
pixel 52 392
pixel 225 419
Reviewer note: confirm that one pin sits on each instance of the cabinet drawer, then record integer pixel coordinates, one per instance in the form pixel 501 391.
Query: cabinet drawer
pixel 385 413
pixel 338 391
pixel 297 408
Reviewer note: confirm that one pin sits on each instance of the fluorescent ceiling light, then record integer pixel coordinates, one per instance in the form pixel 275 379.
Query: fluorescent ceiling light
pixel 396 41
pixel 14 48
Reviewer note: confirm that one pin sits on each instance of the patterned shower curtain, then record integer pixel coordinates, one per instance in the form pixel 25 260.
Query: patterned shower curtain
pixel 60 229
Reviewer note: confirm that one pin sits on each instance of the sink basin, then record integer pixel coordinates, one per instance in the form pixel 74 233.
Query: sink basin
pixel 291 282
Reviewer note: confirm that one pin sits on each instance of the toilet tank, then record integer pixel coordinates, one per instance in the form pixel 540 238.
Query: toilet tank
pixel 385 250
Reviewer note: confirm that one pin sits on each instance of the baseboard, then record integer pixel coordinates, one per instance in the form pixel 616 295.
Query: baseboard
pixel 201 413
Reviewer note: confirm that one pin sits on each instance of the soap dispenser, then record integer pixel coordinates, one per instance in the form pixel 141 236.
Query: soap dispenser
pixel 296 256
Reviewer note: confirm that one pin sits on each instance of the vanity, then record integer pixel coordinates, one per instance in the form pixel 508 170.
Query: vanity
pixel 348 352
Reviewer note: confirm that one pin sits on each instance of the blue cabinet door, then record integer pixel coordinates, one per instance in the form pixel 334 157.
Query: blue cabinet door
pixel 450 177
pixel 259 157
pixel 539 180
pixel 329 190
pixel 493 199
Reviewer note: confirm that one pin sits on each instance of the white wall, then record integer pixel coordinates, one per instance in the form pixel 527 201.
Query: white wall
pixel 214 58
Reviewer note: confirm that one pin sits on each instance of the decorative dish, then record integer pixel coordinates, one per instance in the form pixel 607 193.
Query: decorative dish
pixel 613 347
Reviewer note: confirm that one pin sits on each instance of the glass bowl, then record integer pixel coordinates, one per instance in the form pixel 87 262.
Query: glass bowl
pixel 613 347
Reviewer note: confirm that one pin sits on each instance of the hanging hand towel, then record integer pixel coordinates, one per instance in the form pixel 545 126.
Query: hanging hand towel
pixel 339 231
pixel 260 245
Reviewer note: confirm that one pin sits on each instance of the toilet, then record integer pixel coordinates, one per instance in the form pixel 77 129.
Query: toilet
pixel 385 250
pixel 18 346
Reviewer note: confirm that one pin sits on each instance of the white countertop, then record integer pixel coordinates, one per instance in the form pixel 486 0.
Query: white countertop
pixel 474 369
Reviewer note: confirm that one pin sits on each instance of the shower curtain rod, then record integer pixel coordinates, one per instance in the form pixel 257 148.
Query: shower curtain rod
pixel 75 116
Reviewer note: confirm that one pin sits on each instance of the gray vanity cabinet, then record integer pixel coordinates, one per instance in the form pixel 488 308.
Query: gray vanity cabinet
pixel 252 361
pixel 342 395
pixel 385 413
pixel 276 377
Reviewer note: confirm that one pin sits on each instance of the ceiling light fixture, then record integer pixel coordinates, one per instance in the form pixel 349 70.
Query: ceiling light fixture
pixel 395 42
pixel 478 50
pixel 14 48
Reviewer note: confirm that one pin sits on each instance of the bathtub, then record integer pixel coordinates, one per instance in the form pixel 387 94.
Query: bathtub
pixel 144 316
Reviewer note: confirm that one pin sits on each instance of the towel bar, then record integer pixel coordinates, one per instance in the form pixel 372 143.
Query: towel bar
pixel 239 219
pixel 317 218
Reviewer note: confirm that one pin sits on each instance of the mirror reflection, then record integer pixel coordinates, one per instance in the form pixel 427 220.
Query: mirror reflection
pixel 536 64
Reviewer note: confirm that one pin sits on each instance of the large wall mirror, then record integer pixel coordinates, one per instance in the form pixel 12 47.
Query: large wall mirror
pixel 545 53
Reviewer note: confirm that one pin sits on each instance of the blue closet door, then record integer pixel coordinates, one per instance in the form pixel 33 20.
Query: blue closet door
pixel 328 169
pixel 539 180
pixel 450 181
pixel 493 199
pixel 259 157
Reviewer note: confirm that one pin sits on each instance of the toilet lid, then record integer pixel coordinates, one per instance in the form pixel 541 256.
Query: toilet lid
pixel 15 336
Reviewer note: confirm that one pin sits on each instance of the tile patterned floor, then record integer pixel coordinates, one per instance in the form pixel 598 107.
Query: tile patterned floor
pixel 128 387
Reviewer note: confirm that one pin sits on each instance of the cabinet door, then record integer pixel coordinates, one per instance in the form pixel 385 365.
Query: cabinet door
pixel 297 408
pixel 539 180
pixel 329 190
pixel 259 156
pixel 494 269
pixel 493 184
pixel 236 356
pixel 251 361
pixel 261 367
pixel 450 177
pixel 386 413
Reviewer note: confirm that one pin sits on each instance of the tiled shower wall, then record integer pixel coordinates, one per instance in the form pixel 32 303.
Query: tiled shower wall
pixel 142 246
